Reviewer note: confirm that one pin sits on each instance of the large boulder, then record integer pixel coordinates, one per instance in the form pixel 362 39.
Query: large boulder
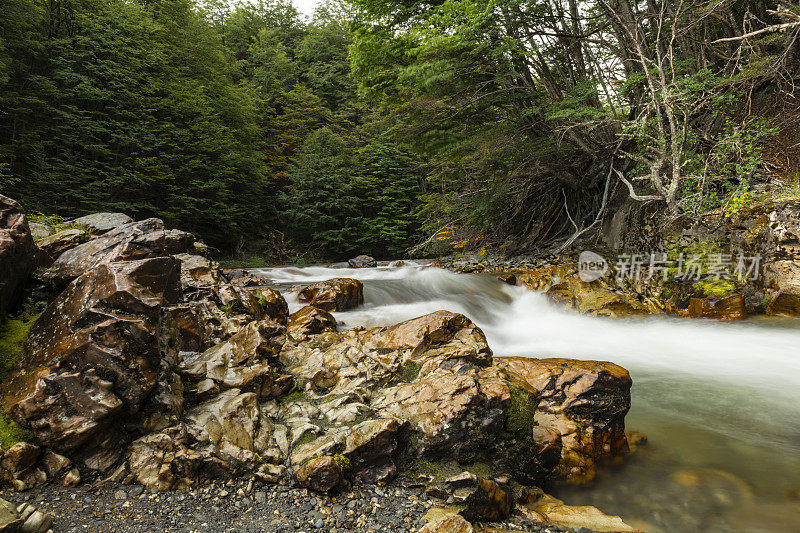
pixel 583 402
pixel 92 359
pixel 321 474
pixel 128 242
pixel 17 252
pixel 362 261
pixel 103 222
pixel 52 246
pixel 338 294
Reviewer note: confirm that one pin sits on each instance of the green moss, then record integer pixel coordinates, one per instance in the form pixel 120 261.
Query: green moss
pixel 520 415
pixel 13 334
pixel 409 371
pixel 427 467
pixel 58 223
pixel 715 288
pixel 296 396
pixel 479 469
pixel 305 438
pixel 11 433
pixel 342 461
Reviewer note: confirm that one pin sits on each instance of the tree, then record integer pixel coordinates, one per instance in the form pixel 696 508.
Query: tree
pixel 319 206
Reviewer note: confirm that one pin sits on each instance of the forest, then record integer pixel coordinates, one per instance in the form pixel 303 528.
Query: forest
pixel 395 127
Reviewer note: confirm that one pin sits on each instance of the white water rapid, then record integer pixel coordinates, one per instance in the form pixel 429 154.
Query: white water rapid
pixel 720 403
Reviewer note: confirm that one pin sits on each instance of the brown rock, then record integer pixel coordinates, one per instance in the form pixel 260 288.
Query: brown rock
pixel 362 261
pixel 508 277
pixel 128 242
pixel 338 294
pixel 784 304
pixel 272 304
pixel 322 474
pixel 450 524
pixel 18 464
pixel 486 502
pixel 730 307
pixel 10 521
pixel 94 352
pixel 242 361
pixel 310 321
pixel 370 446
pixel 585 402
pixel 17 252
pixel 53 246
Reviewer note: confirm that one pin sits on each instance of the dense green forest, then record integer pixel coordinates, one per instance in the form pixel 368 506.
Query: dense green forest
pixel 378 123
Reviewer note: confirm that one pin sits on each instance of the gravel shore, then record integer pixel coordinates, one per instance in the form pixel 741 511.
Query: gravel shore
pixel 237 506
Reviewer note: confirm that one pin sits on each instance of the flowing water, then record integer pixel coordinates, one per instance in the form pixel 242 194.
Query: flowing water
pixel 719 402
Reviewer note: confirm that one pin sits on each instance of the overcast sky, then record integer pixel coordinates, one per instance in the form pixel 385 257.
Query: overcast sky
pixel 305 7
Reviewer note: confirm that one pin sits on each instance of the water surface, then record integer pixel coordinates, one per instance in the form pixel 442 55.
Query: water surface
pixel 719 402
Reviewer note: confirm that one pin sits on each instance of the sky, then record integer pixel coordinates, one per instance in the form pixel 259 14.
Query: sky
pixel 306 7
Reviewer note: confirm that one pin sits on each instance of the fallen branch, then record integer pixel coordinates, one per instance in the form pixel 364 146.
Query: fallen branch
pixel 775 27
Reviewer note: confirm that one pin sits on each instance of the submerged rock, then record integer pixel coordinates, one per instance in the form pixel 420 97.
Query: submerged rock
pixel 338 294
pixel 17 252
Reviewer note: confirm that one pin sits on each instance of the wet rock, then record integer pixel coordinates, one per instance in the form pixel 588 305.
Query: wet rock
pixel 10 521
pixel 585 402
pixel 370 446
pixel 338 294
pixel 272 304
pixel 243 361
pixel 93 353
pixel 508 277
pixel 310 321
pixel 53 246
pixel 128 242
pixel 484 500
pixel 17 252
pixel 18 466
pixel 730 307
pixel 103 222
pixel 164 461
pixel 321 474
pixel 784 304
pixel 548 510
pixel 450 524
pixel 362 261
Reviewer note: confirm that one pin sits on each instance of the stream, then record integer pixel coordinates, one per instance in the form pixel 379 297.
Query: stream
pixel 719 402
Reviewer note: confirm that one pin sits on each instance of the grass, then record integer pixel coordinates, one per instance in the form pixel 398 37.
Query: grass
pixel 57 223
pixel 13 333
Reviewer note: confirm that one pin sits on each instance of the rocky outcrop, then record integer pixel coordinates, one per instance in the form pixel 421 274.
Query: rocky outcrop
pixel 103 222
pixel 338 294
pixel 23 519
pixel 322 474
pixel 51 247
pixel 362 261
pixel 17 252
pixel 93 355
pixel 582 402
pixel 730 307
pixel 127 242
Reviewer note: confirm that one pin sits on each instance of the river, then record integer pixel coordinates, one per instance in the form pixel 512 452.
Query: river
pixel 719 402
